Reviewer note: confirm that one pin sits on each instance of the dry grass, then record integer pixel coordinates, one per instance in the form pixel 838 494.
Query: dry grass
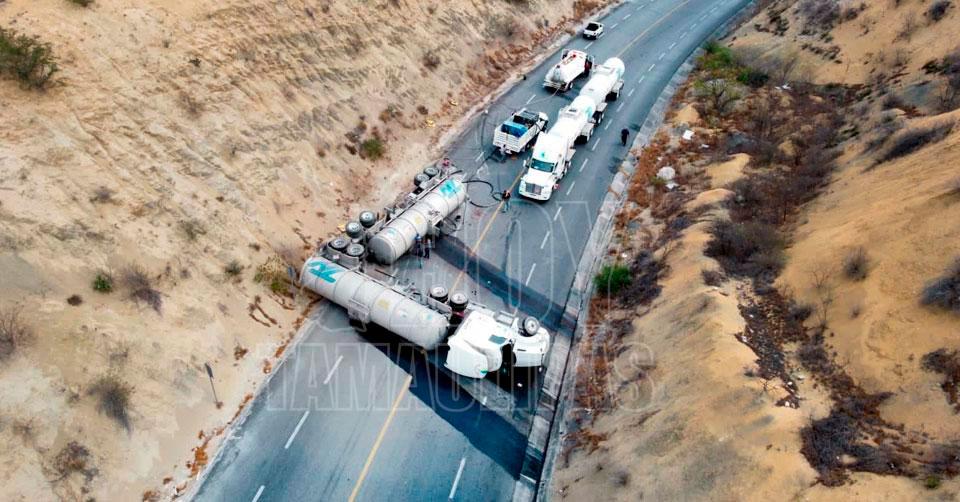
pixel 14 331
pixel 113 398
pixel 140 287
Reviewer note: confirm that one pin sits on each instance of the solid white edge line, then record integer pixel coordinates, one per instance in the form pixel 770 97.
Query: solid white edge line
pixel 334 368
pixel 456 480
pixel 259 493
pixel 542 243
pixel 529 275
pixel 296 430
pixel 568 193
pixel 584 163
pixel 557 214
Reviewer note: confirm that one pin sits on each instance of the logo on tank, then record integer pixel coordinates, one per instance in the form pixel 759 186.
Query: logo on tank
pixel 325 271
pixel 450 188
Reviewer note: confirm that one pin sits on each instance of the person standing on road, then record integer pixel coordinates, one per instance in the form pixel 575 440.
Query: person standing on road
pixel 418 249
pixel 427 246
pixel 624 134
pixel 505 197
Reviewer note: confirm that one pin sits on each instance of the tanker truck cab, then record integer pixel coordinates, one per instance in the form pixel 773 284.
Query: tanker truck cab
pixel 549 163
pixel 484 340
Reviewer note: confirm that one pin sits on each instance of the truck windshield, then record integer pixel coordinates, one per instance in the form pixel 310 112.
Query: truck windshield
pixel 540 165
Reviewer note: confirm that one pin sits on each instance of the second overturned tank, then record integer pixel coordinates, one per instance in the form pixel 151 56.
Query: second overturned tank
pixel 398 236
pixel 369 300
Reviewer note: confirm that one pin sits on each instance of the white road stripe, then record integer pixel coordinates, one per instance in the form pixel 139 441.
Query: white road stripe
pixel 583 165
pixel 662 55
pixel 631 92
pixel 694 25
pixel 479 157
pixel 621 105
pixel 641 79
pixel 542 243
pixel 640 8
pixel 531 99
pixel 259 492
pixel 568 193
pixel 614 25
pixel 627 17
pixel 588 45
pixel 296 430
pixel 651 67
pixel 595 143
pixel 456 480
pixel 529 275
pixel 334 368
pixel 672 46
pixel 557 215
pixel 606 126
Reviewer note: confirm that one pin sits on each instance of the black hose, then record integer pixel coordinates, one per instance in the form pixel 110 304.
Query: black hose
pixel 494 194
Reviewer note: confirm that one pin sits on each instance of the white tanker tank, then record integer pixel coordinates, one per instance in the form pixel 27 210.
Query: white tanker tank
pixel 605 85
pixel 398 235
pixel 369 300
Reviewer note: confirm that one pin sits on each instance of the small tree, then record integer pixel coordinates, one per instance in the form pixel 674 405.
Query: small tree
pixel 720 93
pixel 612 278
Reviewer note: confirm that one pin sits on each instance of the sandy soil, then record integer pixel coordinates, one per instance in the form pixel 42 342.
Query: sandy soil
pixel 220 131
pixel 687 422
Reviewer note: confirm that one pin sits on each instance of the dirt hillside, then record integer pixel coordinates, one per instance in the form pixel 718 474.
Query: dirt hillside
pixel 794 341
pixel 153 195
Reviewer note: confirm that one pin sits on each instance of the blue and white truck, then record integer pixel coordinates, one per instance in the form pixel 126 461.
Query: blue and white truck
pixel 517 133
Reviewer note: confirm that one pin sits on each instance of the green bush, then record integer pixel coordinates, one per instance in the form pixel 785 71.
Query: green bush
pixel 103 282
pixel 373 148
pixel 612 278
pixel 752 77
pixel 27 59
pixel 717 57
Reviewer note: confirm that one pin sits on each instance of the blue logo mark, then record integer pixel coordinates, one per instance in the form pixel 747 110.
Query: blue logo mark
pixel 449 189
pixel 325 271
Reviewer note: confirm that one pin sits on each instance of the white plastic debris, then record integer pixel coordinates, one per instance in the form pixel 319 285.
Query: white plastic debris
pixel 666 173
pixel 687 135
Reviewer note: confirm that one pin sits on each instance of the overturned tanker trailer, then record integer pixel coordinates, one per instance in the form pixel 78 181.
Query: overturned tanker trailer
pixel 480 340
pixel 439 193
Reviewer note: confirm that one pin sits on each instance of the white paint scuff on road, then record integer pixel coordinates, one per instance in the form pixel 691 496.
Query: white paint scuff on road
pixel 542 244
pixel 334 368
pixel 568 193
pixel 585 162
pixel 259 493
pixel 529 275
pixel 456 480
pixel 296 430
pixel 557 214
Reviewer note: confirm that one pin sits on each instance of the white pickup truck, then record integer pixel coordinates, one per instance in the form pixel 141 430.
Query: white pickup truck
pixel 517 133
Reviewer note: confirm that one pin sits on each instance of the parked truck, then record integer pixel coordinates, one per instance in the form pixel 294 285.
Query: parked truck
pixel 572 65
pixel 480 341
pixel 517 133
pixel 604 85
pixel 554 150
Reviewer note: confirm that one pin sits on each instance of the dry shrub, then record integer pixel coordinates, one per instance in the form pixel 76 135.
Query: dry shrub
pixel 74 458
pixel 113 398
pixel 431 60
pixel 14 331
pixel 910 141
pixel 102 195
pixel 820 14
pixel 944 292
pixel 938 10
pixel 856 265
pixel 140 287
pixel 748 248
pixel 946 363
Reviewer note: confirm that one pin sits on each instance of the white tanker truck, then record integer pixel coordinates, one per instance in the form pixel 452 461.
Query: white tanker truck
pixel 482 341
pixel 554 150
pixel 572 64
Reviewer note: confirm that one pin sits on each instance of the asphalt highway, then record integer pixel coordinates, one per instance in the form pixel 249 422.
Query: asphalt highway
pixel 360 416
